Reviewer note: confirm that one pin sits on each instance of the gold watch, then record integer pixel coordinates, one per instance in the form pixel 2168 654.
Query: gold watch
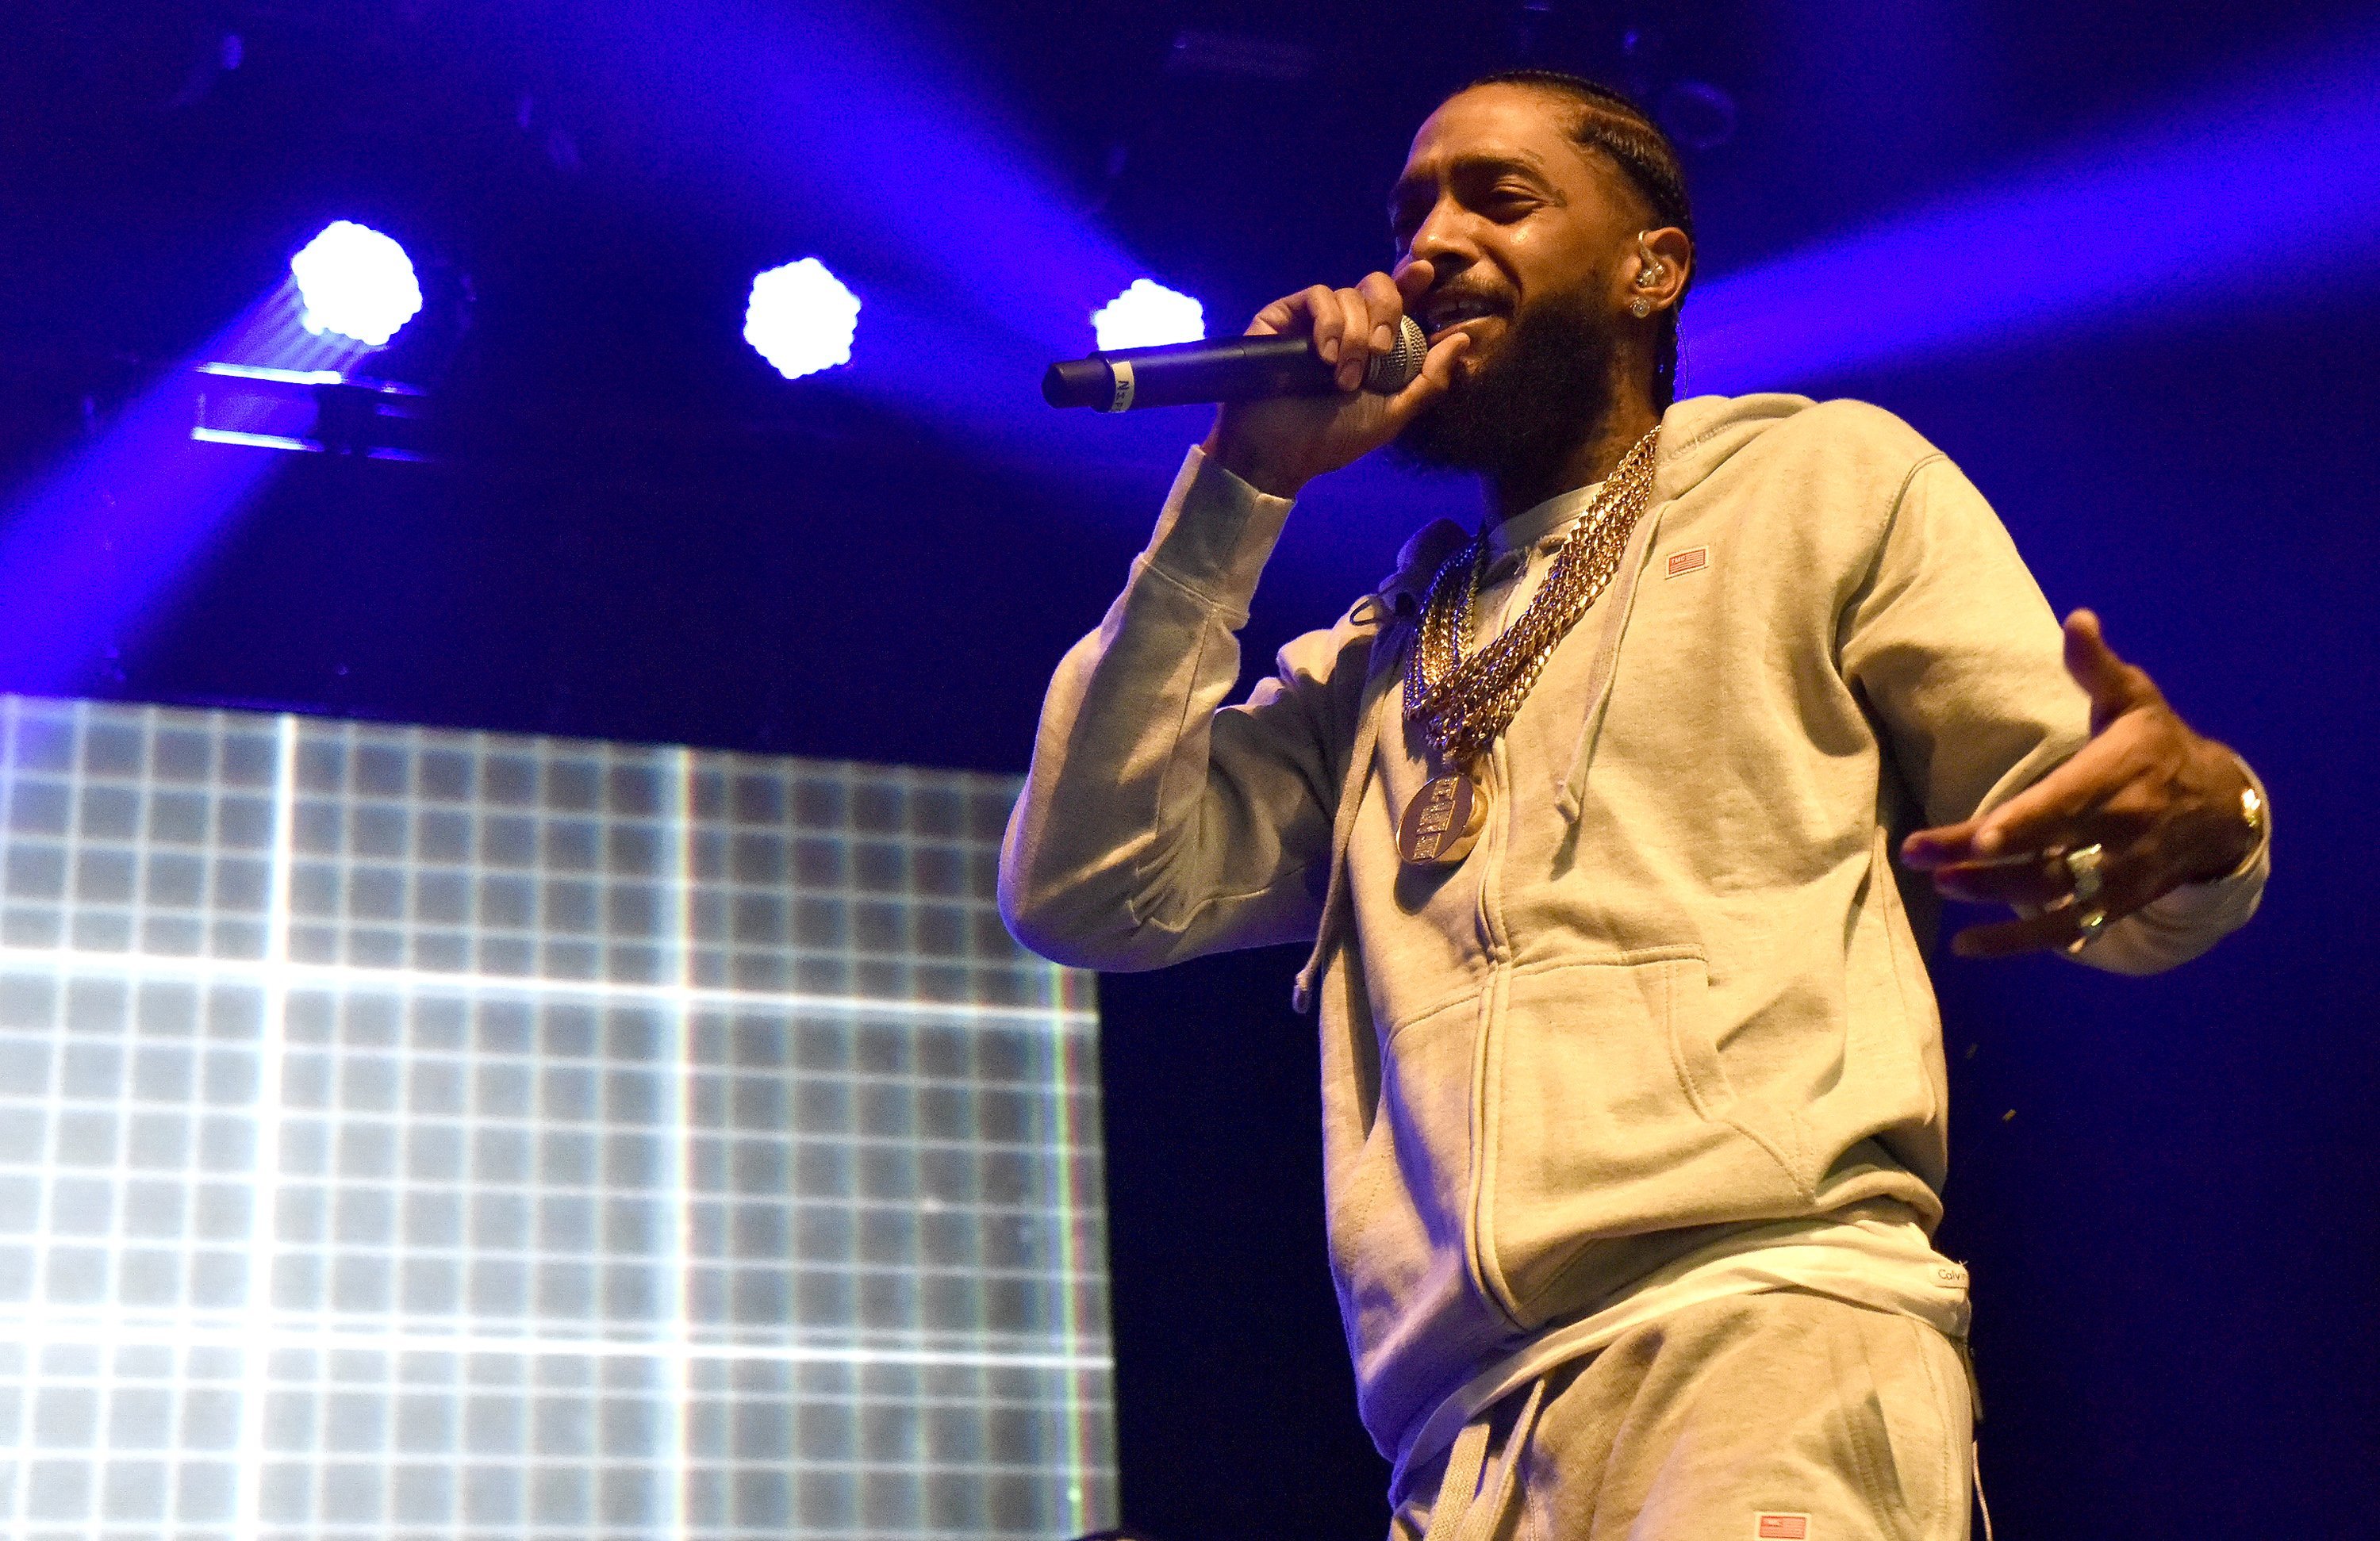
pixel 2252 813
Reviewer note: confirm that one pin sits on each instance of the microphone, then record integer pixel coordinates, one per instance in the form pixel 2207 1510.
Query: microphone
pixel 1243 369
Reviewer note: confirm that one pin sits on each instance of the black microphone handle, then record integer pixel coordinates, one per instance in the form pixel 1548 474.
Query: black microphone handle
pixel 1244 369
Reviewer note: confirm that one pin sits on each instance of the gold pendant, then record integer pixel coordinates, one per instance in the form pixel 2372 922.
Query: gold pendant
pixel 1442 822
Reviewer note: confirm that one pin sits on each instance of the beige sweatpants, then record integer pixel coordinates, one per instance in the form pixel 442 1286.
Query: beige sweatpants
pixel 1769 1417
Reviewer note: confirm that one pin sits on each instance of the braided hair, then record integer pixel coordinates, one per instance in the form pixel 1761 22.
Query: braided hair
pixel 1628 136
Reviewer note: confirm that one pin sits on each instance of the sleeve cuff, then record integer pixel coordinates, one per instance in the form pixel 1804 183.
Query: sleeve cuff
pixel 2179 926
pixel 1216 533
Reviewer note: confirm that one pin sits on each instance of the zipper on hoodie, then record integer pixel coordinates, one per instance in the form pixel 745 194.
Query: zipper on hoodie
pixel 1498 770
pixel 1496 945
pixel 1495 948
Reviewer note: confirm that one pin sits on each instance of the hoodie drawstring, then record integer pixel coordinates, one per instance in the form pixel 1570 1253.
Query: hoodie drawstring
pixel 1473 1501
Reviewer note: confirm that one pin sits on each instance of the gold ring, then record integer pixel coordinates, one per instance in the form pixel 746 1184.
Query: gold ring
pixel 2087 929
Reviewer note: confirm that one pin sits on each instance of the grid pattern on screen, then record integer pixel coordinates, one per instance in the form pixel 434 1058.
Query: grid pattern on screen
pixel 409 1132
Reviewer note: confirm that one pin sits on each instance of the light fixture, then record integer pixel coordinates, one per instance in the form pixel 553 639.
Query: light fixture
pixel 801 319
pixel 355 282
pixel 1147 314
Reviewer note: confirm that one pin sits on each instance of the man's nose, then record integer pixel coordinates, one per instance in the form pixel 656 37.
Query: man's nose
pixel 1443 238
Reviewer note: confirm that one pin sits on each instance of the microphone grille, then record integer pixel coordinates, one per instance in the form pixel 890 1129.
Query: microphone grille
pixel 1401 366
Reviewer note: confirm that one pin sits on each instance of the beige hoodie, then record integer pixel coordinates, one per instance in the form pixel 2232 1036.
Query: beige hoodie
pixel 1676 987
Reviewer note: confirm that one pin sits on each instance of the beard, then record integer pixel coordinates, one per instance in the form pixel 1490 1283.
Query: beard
pixel 1529 407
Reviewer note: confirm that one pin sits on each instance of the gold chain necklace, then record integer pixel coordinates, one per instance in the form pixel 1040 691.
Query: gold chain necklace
pixel 1460 705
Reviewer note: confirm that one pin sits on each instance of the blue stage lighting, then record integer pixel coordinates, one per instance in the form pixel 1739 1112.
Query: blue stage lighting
pixel 801 319
pixel 355 282
pixel 1148 314
pixel 2180 215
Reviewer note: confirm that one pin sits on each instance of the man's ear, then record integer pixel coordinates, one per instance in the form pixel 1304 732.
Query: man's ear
pixel 1662 280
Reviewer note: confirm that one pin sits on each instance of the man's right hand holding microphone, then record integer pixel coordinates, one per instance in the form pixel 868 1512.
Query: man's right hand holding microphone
pixel 1279 445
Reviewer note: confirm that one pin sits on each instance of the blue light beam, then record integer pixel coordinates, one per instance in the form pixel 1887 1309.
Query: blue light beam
pixel 88 557
pixel 2252 197
pixel 861 133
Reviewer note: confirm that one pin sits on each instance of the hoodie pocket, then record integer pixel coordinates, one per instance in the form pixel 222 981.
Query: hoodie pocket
pixel 1607 1114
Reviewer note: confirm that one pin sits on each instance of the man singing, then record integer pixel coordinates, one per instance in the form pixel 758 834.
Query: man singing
pixel 1633 1085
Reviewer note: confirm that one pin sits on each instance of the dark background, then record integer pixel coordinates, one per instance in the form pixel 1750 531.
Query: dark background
pixel 2166 1188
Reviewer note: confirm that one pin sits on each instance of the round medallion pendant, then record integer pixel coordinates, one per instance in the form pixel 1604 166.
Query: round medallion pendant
pixel 1442 822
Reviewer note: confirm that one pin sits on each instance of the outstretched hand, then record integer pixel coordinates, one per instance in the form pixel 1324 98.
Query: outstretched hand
pixel 2161 804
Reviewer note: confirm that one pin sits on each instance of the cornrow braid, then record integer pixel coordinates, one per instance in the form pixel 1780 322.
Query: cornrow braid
pixel 1631 140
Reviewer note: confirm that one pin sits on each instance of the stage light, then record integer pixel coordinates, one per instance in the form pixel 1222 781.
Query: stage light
pixel 801 319
pixel 355 282
pixel 1148 315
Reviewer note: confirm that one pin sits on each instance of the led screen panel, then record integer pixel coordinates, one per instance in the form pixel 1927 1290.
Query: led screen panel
pixel 409 1132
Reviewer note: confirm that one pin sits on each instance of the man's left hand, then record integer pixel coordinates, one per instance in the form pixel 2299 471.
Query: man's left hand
pixel 2161 805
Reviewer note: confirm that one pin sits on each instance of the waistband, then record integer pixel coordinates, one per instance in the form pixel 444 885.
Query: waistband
pixel 1873 1255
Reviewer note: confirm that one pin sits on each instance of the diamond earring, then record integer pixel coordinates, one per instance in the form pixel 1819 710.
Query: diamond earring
pixel 1643 307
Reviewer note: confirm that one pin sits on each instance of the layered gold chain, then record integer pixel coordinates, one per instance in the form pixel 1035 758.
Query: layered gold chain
pixel 1461 704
